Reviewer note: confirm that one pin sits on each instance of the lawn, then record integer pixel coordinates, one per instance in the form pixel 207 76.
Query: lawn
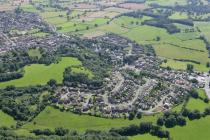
pixel 51 118
pixel 6 120
pixel 40 74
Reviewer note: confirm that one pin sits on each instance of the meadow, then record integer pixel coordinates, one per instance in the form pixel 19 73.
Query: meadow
pixel 40 74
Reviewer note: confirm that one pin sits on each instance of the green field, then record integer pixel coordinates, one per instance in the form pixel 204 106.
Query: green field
pixel 194 130
pixel 202 93
pixel 51 118
pixel 40 74
pixel 6 120
pixel 144 137
pixel 183 65
pixel 34 53
pixel 197 104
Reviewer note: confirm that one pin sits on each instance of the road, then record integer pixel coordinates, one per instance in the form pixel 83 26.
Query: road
pixel 207 88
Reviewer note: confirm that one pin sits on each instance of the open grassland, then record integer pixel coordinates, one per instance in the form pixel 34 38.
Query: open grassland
pixel 194 130
pixel 39 74
pixel 51 118
pixel 6 120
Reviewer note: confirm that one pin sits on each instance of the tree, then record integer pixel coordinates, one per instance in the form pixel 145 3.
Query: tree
pixel 208 64
pixel 181 121
pixel 157 38
pixel 170 122
pixel 160 121
pixel 206 100
pixel 60 131
pixel 139 115
pixel 185 112
pixel 194 94
pixel 131 116
pixel 190 68
pixel 52 82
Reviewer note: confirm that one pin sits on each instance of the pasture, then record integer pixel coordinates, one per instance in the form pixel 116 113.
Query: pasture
pixel 40 74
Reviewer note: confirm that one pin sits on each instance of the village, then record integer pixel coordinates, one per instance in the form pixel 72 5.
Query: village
pixel 136 83
pixel 142 86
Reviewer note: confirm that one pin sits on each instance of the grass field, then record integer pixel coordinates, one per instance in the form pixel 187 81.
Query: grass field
pixel 34 53
pixel 6 120
pixel 178 15
pixel 201 93
pixel 194 130
pixel 39 74
pixel 51 118
pixel 183 65
pixel 144 137
pixel 197 104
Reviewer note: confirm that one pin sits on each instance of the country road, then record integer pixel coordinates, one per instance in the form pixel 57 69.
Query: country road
pixel 207 88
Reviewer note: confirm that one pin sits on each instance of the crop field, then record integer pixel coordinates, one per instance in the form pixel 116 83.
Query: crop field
pixel 39 74
pixel 6 120
pixel 51 118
